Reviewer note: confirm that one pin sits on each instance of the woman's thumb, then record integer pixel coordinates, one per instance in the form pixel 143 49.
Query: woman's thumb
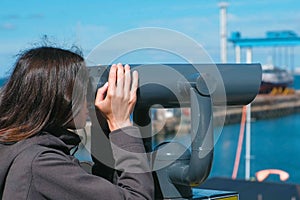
pixel 101 93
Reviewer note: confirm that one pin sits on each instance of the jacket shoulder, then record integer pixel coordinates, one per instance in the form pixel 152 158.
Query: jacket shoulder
pixel 20 177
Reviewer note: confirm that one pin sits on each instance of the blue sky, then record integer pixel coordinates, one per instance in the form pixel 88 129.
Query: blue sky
pixel 87 23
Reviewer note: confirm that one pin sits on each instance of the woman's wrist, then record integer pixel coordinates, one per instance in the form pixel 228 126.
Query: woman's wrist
pixel 118 125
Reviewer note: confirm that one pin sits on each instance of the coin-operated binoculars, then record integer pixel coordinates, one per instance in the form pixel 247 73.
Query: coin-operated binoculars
pixel 177 169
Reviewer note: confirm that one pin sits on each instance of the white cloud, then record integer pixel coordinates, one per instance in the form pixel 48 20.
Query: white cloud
pixel 36 16
pixel 7 26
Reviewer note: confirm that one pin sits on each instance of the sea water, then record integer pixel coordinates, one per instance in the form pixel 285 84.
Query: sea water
pixel 275 144
pixel 3 81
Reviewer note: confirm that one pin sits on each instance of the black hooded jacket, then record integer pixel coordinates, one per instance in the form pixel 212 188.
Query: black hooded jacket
pixel 41 167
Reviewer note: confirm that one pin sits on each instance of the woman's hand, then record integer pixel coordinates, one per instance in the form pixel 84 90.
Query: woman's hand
pixel 117 98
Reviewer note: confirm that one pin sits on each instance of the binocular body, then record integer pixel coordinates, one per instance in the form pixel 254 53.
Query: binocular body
pixel 169 84
pixel 199 86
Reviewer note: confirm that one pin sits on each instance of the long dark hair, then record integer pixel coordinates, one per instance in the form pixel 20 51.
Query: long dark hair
pixel 46 89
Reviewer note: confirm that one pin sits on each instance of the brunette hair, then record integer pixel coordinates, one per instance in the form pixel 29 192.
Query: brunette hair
pixel 46 89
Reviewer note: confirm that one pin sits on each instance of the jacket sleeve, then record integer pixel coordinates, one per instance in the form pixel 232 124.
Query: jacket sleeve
pixel 56 176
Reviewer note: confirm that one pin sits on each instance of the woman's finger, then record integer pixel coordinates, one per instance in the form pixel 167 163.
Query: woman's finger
pixel 134 85
pixel 127 81
pixel 120 79
pixel 112 78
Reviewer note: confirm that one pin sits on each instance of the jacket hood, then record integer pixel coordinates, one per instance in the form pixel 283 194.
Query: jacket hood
pixel 58 139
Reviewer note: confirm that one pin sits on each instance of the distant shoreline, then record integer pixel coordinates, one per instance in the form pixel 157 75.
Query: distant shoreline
pixel 265 107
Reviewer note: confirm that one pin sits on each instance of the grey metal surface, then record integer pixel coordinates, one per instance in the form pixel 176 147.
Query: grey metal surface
pixel 200 86
pixel 169 84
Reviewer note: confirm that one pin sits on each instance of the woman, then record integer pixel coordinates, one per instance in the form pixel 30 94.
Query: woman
pixel 43 100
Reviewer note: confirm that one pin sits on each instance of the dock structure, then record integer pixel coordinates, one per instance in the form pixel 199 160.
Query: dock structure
pixel 287 39
pixel 266 106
